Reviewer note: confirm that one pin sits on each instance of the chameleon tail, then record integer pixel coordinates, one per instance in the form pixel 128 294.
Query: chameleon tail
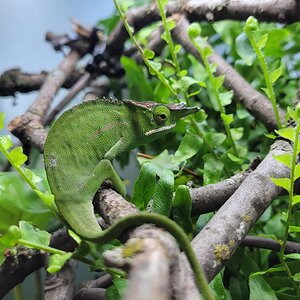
pixel 80 217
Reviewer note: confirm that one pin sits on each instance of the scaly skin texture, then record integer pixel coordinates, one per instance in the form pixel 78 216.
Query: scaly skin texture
pixel 78 153
pixel 85 139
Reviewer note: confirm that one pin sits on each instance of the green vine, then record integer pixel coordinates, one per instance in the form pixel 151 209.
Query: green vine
pixel 194 31
pixel 270 78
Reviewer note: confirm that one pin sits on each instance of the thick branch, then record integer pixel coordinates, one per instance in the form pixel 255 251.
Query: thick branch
pixel 285 11
pixel 14 80
pixel 28 127
pixel 212 196
pixel 267 243
pixel 17 267
pixel 60 285
pixel 112 207
pixel 218 240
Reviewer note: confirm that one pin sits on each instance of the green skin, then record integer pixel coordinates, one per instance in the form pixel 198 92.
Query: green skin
pixel 78 152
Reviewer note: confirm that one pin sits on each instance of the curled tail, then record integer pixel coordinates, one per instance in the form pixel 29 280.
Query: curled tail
pixel 80 217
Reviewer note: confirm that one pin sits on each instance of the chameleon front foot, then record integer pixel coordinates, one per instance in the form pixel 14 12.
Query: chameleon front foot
pixel 105 170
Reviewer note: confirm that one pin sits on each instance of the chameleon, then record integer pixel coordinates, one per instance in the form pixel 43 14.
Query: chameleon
pixel 78 154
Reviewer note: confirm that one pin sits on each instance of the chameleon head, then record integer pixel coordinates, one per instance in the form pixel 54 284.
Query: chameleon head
pixel 157 119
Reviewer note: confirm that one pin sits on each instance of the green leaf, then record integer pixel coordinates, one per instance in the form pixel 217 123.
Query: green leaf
pixel 34 178
pixel 163 194
pixel 276 74
pixel 294 229
pixel 74 236
pixel 270 136
pixel 285 158
pixel 149 54
pixel 297 172
pixel 194 30
pixel 161 162
pixel 212 169
pixel 200 116
pixel 208 51
pixel 218 81
pixel 218 288
pixel 226 98
pixel 57 261
pixel 277 37
pixel 182 208
pixel 293 114
pixel 5 142
pixel 237 133
pixel 183 73
pixel 251 24
pixel 189 146
pixel 171 24
pixel 297 277
pixel 270 270
pixel 184 83
pixel 228 119
pixel 259 289
pixel 266 92
pixel 177 48
pixel 261 43
pixel 138 85
pixel 11 237
pixel 33 234
pixel 234 158
pixel 144 186
pixel 17 155
pixel 216 138
pixel 293 256
pixel 241 112
pixel 283 182
pixel 117 290
pixel 244 49
pixel 238 287
pixel 155 65
pixel 287 133
pixel 2 117
pixel 295 199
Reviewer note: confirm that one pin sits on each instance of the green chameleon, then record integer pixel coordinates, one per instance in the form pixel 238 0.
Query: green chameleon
pixel 78 152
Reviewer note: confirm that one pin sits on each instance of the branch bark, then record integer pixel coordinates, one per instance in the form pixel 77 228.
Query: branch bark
pixel 285 11
pixel 29 127
pixel 14 80
pixel 221 236
pixel 212 196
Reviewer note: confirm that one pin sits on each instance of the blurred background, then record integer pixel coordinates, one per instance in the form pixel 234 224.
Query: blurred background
pixel 23 25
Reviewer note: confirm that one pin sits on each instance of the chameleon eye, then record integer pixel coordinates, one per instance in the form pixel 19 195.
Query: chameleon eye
pixel 161 114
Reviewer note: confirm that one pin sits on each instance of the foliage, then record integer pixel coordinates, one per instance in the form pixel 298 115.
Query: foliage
pixel 217 142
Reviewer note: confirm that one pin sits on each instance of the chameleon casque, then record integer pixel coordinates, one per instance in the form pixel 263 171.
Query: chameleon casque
pixel 78 152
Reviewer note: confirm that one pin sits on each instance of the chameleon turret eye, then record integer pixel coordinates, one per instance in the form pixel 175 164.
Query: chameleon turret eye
pixel 161 114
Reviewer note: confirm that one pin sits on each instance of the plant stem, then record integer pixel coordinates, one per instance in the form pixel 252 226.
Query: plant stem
pixel 168 37
pixel 18 294
pixel 264 67
pixel 290 208
pixel 216 92
pixel 38 285
pixel 146 61
pixel 39 247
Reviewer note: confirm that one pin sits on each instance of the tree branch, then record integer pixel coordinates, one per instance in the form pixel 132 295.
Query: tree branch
pixel 221 236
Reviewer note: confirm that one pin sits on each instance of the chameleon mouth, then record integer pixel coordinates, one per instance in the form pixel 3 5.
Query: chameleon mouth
pixel 164 128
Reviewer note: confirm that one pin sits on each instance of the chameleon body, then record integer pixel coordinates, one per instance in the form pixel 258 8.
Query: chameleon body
pixel 78 152
pixel 85 139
